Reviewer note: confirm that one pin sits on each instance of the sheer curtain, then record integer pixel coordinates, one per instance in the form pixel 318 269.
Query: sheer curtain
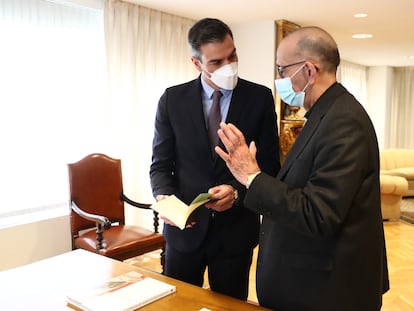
pixel 62 97
pixel 401 110
pixel 147 51
pixel 53 81
pixel 354 78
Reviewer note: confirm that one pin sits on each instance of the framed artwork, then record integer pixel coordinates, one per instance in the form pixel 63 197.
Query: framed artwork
pixel 291 119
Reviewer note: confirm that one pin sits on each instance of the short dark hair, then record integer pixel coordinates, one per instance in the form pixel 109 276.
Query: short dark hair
pixel 207 30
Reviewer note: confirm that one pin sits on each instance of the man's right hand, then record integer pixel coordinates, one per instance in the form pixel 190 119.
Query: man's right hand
pixel 240 158
pixel 160 197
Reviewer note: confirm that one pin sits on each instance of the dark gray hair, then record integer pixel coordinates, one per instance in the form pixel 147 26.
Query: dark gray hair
pixel 207 30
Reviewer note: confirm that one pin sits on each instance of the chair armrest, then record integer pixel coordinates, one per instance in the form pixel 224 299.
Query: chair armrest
pixel 133 203
pixel 98 219
pixel 143 206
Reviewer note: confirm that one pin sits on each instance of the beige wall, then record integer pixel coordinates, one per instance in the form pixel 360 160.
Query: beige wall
pixel 26 243
pixel 256 47
pixel 255 44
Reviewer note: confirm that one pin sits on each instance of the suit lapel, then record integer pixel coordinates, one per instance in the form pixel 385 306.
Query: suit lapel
pixel 195 109
pixel 320 108
pixel 237 103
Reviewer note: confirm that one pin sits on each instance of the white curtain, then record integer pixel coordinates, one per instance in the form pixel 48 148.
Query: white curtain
pixel 147 51
pixel 53 82
pixel 77 80
pixel 354 78
pixel 401 110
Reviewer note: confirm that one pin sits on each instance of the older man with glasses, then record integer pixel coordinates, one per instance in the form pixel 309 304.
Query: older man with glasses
pixel 322 242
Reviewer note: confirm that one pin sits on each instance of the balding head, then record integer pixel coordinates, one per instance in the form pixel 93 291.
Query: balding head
pixel 309 57
pixel 314 44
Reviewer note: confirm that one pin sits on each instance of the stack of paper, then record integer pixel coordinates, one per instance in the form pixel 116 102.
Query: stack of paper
pixel 126 292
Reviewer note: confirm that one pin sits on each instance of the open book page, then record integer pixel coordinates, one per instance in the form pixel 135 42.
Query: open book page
pixel 177 211
pixel 125 292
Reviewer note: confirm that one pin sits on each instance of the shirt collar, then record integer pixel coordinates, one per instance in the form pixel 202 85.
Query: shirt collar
pixel 308 113
pixel 208 90
pixel 321 98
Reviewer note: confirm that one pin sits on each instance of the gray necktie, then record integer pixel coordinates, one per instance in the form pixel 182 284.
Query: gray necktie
pixel 214 120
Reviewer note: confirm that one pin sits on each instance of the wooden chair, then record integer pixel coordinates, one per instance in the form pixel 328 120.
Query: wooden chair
pixel 97 202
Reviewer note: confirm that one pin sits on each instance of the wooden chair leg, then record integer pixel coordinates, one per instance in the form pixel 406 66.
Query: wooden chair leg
pixel 162 259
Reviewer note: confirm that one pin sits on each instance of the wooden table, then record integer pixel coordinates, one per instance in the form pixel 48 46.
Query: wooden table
pixel 42 285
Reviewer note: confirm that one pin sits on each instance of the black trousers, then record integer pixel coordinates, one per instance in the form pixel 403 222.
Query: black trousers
pixel 228 272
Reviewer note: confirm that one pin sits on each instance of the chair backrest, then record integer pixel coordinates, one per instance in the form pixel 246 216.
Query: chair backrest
pixel 95 185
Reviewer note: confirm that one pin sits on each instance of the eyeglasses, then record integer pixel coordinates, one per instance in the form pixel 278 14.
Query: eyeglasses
pixel 281 68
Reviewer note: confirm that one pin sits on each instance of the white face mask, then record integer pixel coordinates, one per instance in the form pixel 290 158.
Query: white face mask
pixel 225 77
pixel 287 94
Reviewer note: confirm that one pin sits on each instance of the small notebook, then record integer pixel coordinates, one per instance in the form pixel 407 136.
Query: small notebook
pixel 177 211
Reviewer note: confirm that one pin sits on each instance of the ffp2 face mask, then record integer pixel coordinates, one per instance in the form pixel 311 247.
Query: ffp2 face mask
pixel 226 76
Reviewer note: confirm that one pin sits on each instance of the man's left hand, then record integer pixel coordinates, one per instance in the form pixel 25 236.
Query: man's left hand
pixel 221 198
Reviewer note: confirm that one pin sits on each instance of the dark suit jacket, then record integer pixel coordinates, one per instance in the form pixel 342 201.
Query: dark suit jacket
pixel 182 162
pixel 322 245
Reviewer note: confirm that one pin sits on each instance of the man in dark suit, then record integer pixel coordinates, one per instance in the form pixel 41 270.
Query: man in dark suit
pixel 322 242
pixel 224 233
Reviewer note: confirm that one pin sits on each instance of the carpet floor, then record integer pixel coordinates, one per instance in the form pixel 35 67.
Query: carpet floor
pixel 407 210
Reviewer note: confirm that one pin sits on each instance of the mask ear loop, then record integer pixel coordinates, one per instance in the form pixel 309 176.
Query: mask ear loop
pixel 299 69
pixel 309 73
pixel 306 86
pixel 206 73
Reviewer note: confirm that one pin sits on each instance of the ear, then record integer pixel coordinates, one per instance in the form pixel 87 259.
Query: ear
pixel 312 70
pixel 196 63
